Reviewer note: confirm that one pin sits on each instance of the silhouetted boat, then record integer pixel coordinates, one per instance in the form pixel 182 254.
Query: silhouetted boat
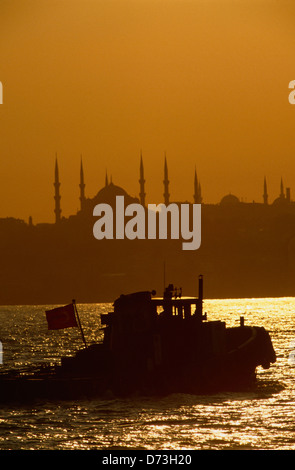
pixel 153 346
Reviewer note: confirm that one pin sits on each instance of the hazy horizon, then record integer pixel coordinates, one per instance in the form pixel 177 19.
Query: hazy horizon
pixel 205 82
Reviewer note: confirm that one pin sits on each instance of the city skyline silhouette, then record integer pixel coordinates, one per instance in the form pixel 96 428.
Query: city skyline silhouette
pixel 247 249
pixel 281 197
pixel 283 192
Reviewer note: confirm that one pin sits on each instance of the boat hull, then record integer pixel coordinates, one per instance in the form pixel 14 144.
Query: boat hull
pixel 234 369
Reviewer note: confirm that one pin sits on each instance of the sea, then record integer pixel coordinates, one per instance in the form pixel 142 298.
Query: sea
pixel 258 419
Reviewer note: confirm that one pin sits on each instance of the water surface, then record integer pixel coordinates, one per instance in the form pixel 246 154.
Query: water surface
pixel 258 419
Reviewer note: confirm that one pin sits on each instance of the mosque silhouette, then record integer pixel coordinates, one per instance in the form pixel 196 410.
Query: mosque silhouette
pixel 108 194
pixel 247 250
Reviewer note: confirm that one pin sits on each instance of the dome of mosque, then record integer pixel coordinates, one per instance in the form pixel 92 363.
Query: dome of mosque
pixel 229 200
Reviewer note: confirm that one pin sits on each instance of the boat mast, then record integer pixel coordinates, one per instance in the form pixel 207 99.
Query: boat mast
pixel 79 323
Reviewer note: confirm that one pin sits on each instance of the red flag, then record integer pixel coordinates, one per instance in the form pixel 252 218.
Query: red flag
pixel 61 317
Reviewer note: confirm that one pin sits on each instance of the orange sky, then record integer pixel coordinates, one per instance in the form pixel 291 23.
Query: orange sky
pixel 204 81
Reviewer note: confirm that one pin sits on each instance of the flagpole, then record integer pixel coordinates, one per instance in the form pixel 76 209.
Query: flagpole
pixel 79 323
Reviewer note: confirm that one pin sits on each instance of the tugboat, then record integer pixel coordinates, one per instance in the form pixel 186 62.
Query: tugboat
pixel 153 347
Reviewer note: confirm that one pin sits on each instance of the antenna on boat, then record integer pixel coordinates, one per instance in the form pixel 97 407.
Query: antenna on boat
pixel 201 287
pixel 78 321
pixel 200 298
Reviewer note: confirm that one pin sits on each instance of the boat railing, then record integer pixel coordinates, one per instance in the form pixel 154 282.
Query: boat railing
pixel 182 307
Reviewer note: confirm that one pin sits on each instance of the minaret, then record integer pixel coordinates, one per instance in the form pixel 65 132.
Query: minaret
pixel 282 195
pixel 56 184
pixel 141 183
pixel 82 187
pixel 166 184
pixel 197 194
pixel 265 195
pixel 106 180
